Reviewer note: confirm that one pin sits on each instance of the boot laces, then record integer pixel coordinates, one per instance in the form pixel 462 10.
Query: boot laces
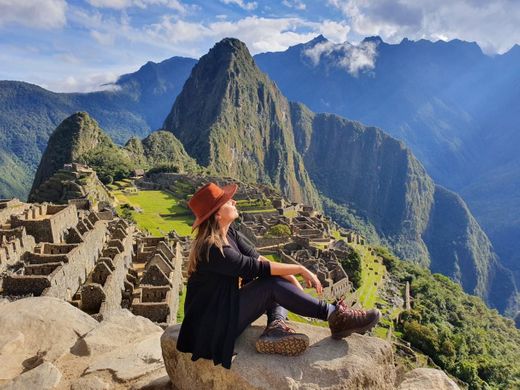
pixel 356 313
pixel 280 324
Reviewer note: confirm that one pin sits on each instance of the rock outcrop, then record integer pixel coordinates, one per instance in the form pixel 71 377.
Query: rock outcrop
pixel 427 378
pixel 46 343
pixel 357 362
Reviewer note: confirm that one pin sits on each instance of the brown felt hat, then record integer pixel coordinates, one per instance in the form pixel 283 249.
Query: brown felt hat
pixel 208 199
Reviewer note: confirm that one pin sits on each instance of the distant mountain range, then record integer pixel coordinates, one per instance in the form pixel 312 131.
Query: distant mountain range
pixel 234 121
pixel 454 106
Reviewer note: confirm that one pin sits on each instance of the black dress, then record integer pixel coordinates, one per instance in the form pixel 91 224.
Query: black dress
pixel 211 308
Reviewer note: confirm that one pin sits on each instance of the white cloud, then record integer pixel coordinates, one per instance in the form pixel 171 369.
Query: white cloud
pixel 335 31
pixel 297 4
pixel 105 39
pixel 122 4
pixel 353 58
pixel 259 34
pixel 45 14
pixel 493 24
pixel 242 4
pixel 89 82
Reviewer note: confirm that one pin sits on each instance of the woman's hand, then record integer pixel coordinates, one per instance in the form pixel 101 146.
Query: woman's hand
pixel 311 279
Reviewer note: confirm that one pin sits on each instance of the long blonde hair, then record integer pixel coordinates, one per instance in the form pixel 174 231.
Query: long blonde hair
pixel 208 233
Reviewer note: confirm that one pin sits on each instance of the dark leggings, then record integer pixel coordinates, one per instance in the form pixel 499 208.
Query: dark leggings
pixel 274 295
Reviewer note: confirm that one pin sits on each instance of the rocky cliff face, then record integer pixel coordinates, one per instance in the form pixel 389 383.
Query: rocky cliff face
pixel 380 178
pixel 232 118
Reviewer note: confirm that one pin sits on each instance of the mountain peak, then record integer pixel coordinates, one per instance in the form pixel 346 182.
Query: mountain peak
pixel 319 39
pixel 76 135
pixel 228 48
pixel 375 39
pixel 233 119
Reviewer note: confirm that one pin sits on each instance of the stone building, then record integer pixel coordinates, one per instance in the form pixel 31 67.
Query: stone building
pixel 155 280
pixel 324 263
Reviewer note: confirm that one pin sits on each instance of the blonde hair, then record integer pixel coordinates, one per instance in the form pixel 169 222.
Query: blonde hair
pixel 208 234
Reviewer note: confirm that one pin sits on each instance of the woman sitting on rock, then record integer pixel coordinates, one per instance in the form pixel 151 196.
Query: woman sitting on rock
pixel 217 311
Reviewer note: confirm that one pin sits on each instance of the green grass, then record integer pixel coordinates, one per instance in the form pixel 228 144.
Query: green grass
pixel 180 312
pixel 154 203
pixel 256 210
pixel 274 258
pixel 370 281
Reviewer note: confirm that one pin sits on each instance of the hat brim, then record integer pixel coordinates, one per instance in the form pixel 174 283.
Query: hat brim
pixel 228 192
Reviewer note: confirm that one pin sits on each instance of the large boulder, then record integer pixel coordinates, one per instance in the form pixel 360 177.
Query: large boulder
pixel 357 362
pixel 38 329
pixel 44 377
pixel 119 328
pixel 427 378
pixel 131 361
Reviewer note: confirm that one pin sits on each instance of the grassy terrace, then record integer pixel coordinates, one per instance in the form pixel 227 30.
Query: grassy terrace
pixel 158 212
pixel 372 273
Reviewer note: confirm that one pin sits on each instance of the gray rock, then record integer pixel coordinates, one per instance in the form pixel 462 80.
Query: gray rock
pixel 44 377
pixel 161 381
pixel 427 379
pixel 357 362
pixel 90 382
pixel 38 328
pixel 132 360
pixel 118 329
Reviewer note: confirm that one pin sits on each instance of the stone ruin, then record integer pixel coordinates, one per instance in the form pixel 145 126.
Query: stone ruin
pixel 171 181
pixel 73 183
pixel 353 237
pixel 305 223
pixel 154 282
pixel 92 259
pixel 324 263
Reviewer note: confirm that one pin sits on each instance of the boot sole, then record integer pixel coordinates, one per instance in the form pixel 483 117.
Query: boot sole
pixel 362 330
pixel 293 345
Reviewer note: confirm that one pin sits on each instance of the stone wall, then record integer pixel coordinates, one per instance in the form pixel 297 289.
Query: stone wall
pixel 158 284
pixel 13 244
pixel 68 271
pixel 47 223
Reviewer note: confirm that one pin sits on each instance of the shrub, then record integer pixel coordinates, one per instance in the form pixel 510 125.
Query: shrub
pixel 279 230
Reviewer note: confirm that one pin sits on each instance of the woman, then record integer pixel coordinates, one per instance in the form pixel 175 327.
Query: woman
pixel 217 311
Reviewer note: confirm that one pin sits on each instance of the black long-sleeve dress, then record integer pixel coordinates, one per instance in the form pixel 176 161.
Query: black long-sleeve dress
pixel 211 308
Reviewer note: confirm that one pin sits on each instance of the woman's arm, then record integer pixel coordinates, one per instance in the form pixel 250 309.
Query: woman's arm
pixel 290 278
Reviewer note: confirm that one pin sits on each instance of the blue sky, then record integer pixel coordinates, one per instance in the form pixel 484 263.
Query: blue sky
pixel 73 45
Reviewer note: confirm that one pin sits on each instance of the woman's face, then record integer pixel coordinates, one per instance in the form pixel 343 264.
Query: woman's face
pixel 227 213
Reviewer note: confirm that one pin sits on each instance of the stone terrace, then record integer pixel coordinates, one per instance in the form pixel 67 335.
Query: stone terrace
pixel 155 281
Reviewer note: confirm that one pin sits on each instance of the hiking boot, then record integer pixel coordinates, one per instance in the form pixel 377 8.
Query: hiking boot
pixel 281 339
pixel 344 321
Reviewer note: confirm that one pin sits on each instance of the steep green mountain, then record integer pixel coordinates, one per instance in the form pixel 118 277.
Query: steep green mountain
pixel 80 139
pixel 453 105
pixel 231 118
pixel 457 331
pixel 29 114
pixel 160 148
pixel 364 169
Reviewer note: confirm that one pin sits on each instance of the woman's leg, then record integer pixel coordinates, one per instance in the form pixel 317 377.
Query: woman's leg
pixel 264 293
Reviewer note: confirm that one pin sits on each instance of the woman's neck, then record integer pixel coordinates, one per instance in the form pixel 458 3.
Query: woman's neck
pixel 224 229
